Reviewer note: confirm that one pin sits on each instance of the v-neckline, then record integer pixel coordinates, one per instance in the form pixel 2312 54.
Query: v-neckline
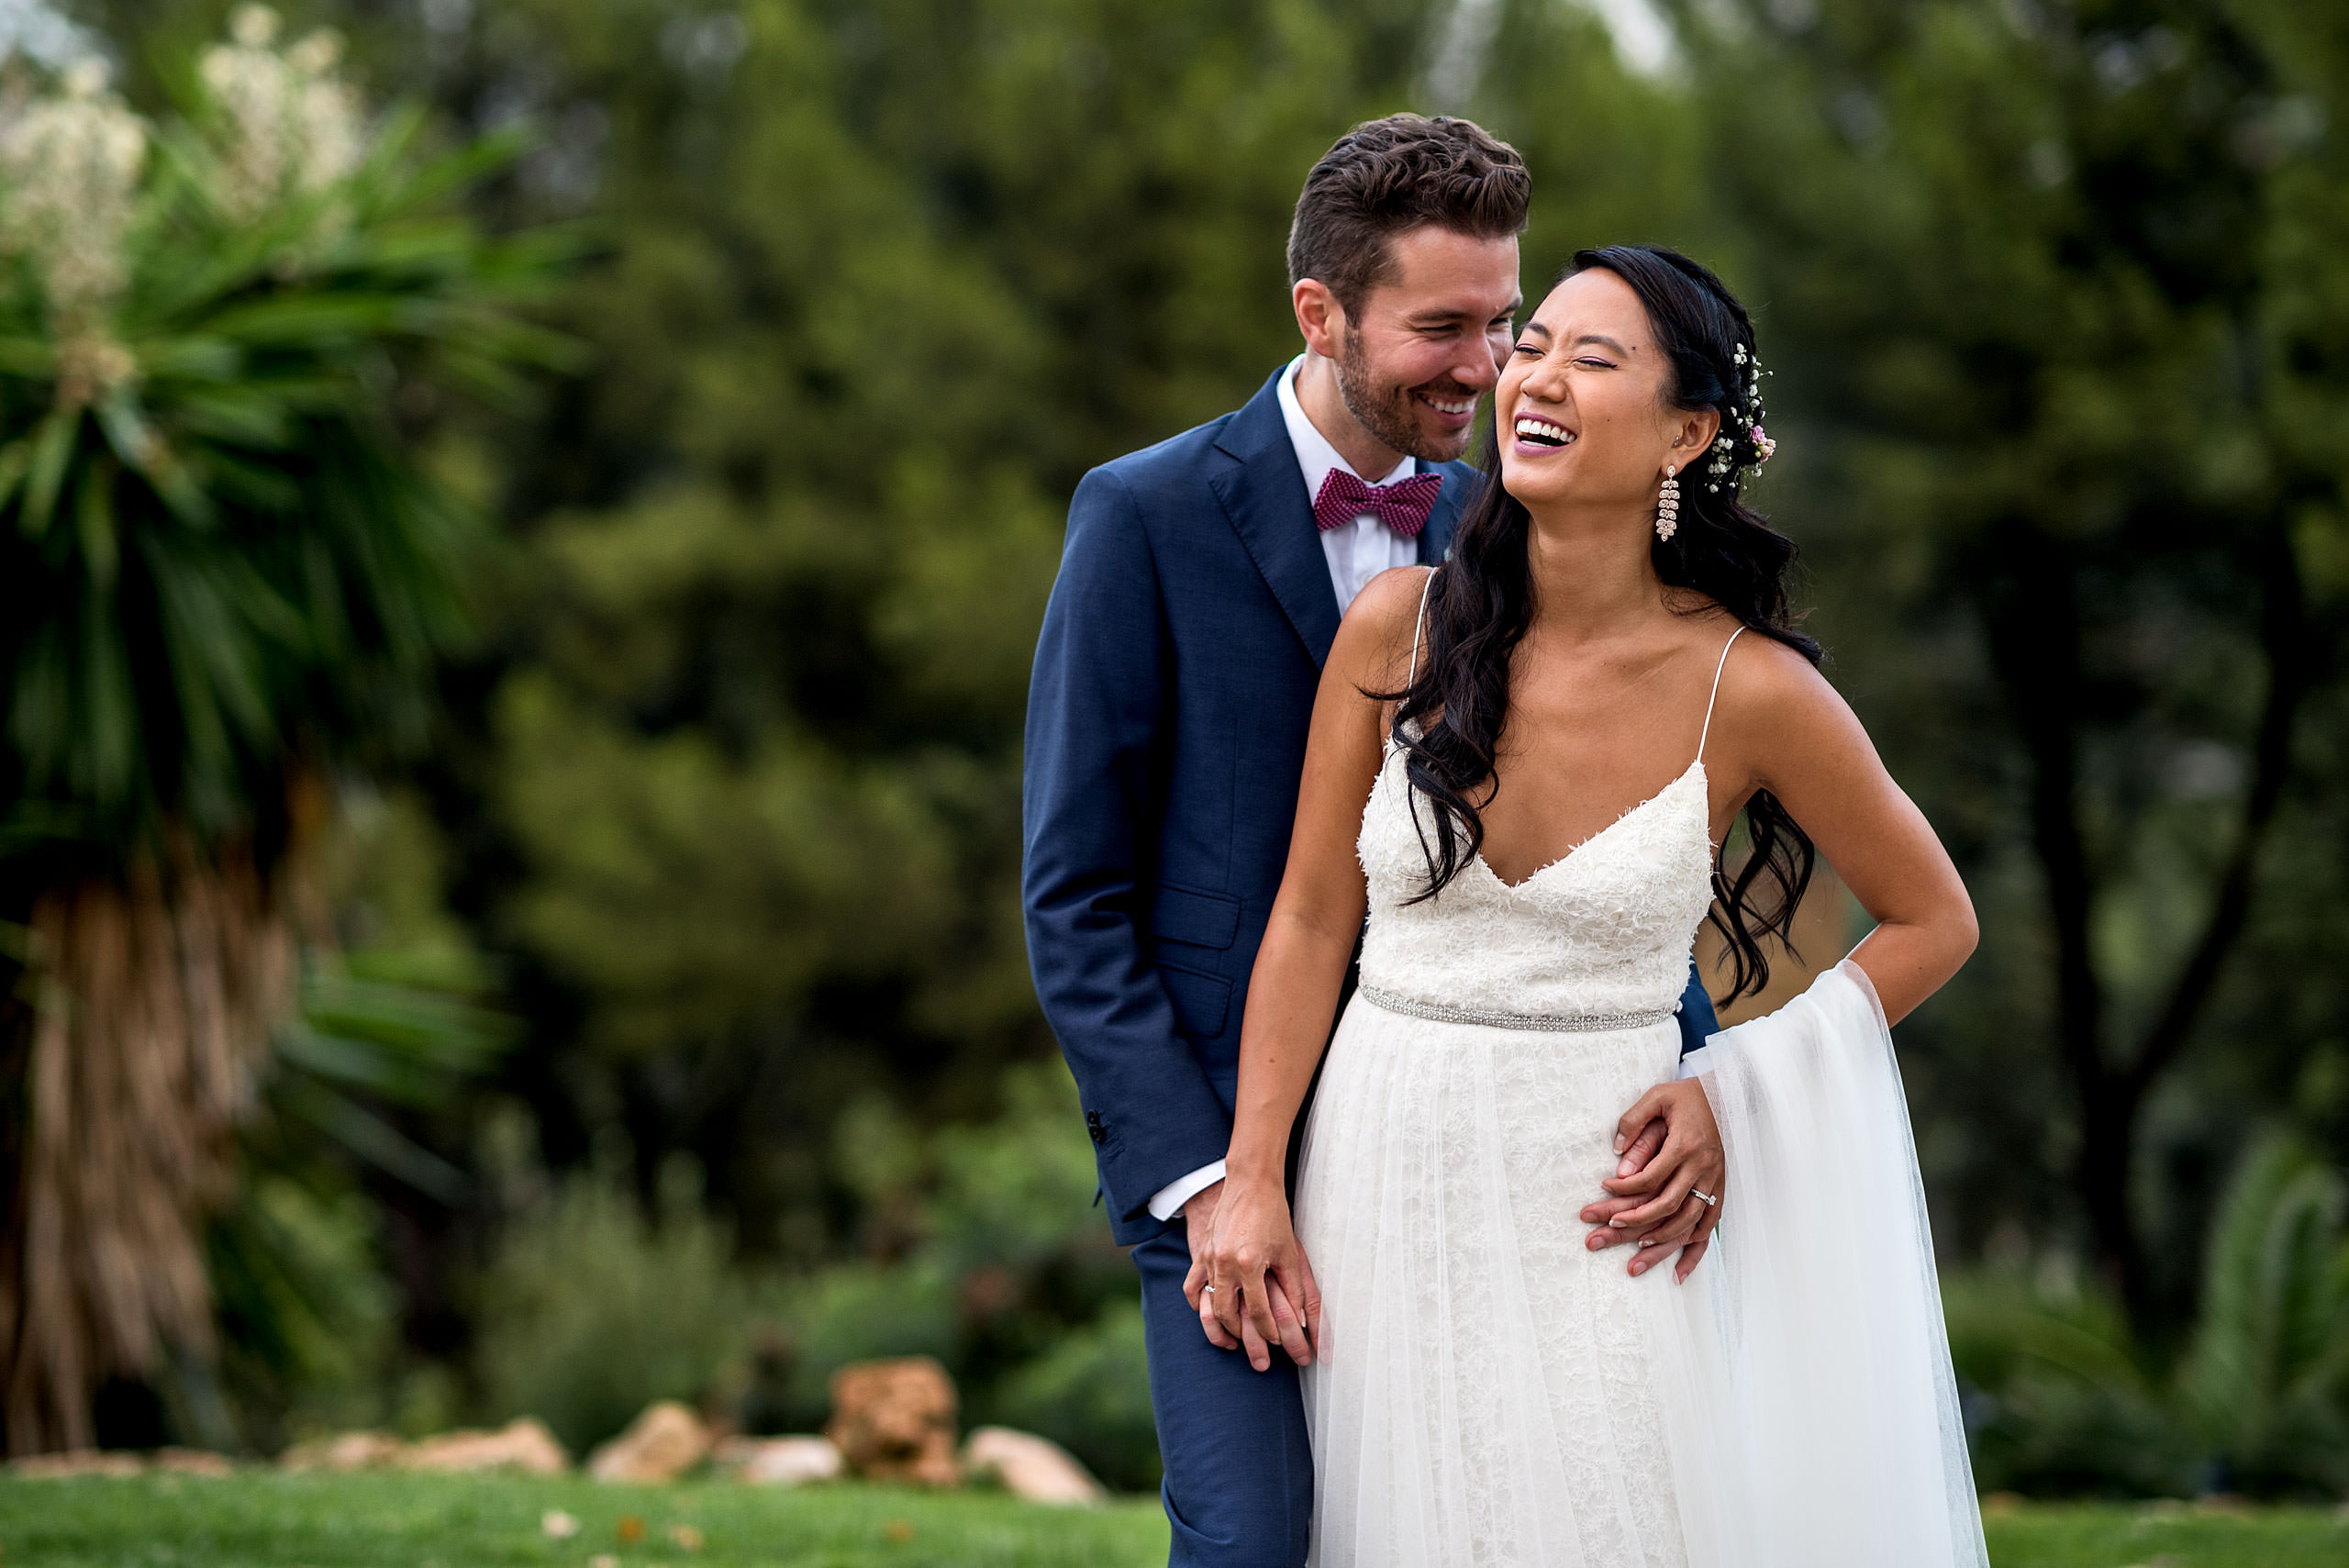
pixel 1696 767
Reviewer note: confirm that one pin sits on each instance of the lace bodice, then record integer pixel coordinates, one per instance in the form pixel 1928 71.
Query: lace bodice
pixel 1606 929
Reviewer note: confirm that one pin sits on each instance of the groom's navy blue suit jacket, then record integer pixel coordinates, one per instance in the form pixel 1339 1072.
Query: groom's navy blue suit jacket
pixel 1166 725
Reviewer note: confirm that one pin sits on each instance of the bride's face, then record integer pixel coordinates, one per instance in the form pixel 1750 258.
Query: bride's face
pixel 1581 406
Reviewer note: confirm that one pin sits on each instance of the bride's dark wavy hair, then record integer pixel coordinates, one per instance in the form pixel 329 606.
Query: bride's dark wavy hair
pixel 1480 606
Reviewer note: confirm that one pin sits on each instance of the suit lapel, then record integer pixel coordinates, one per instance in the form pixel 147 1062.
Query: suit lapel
pixel 1460 482
pixel 1262 494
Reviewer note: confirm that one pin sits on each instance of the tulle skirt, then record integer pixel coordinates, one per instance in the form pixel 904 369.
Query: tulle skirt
pixel 1494 1395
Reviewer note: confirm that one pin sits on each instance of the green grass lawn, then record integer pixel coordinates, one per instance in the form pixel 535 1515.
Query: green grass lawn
pixel 2074 1536
pixel 263 1520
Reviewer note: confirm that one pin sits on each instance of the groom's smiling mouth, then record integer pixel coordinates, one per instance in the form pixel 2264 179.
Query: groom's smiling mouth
pixel 1542 432
pixel 1457 405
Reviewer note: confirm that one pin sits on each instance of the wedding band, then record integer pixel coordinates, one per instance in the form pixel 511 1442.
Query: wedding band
pixel 1207 1290
pixel 1708 1199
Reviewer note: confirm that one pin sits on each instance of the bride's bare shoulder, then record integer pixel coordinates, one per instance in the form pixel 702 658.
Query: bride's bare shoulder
pixel 1776 704
pixel 1767 672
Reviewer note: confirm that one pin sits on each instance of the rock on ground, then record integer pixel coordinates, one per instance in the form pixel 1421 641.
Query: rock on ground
pixel 524 1444
pixel 1029 1466
pixel 75 1462
pixel 345 1451
pixel 780 1462
pixel 664 1441
pixel 893 1420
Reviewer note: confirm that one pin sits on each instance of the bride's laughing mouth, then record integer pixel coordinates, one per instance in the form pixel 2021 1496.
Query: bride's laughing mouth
pixel 1536 436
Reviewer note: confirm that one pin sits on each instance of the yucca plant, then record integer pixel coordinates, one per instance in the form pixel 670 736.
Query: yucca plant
pixel 223 579
pixel 2266 1382
pixel 2062 1400
pixel 2058 1397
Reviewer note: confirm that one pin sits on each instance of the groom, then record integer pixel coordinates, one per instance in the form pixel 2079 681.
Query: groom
pixel 1199 589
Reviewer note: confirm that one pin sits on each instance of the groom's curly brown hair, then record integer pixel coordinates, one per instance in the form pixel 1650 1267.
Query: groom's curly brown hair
pixel 1386 177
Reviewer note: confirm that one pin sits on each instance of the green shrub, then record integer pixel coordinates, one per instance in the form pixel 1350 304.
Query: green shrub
pixel 993 1259
pixel 2060 1401
pixel 306 1313
pixel 2056 1401
pixel 863 1311
pixel 383 1041
pixel 2267 1384
pixel 1002 1269
pixel 1091 1394
pixel 588 1313
pixel 1017 1192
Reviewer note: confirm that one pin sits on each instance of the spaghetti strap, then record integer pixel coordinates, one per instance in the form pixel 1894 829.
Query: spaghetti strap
pixel 1418 624
pixel 1717 691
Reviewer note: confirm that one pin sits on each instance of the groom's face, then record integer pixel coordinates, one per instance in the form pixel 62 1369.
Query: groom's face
pixel 1426 346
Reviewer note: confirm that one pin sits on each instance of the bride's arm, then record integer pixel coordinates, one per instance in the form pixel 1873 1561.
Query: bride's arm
pixel 1784 729
pixel 1292 990
pixel 1780 727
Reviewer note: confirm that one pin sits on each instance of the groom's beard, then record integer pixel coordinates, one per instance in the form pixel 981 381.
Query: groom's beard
pixel 1392 413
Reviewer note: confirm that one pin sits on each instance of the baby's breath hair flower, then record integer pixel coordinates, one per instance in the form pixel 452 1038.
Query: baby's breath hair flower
pixel 1743 445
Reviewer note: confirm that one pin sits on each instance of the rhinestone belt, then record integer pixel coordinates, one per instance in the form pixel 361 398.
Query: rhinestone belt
pixel 1554 1023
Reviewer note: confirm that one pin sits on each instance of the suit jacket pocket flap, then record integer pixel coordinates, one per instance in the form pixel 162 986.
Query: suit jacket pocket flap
pixel 1202 919
pixel 1201 1001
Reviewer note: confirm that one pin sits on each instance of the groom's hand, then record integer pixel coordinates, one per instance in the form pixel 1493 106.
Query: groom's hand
pixel 1198 1224
pixel 1630 1163
pixel 1670 1150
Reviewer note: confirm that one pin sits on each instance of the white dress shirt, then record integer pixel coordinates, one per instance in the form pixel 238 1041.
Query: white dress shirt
pixel 1357 552
pixel 1362 549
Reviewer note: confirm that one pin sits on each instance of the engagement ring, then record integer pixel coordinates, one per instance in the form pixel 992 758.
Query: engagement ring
pixel 1709 1200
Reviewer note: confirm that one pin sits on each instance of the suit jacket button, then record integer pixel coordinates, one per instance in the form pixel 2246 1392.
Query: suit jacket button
pixel 1093 1126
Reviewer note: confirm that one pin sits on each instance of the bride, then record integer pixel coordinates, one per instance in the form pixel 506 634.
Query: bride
pixel 1553 731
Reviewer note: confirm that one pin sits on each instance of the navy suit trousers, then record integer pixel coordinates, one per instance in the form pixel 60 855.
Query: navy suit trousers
pixel 1239 1486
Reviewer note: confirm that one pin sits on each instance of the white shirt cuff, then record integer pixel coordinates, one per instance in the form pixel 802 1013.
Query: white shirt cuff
pixel 1699 1061
pixel 1168 1201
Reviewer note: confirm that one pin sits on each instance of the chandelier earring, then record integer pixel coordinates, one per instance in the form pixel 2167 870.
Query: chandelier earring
pixel 1667 507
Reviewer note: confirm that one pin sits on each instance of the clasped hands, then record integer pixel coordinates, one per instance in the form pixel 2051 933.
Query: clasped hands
pixel 1253 1287
pixel 1670 1150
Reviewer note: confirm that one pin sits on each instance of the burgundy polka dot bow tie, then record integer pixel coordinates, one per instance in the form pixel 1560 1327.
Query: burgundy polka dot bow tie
pixel 1403 505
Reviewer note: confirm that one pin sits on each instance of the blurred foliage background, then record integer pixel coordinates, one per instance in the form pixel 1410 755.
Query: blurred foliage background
pixel 659 1023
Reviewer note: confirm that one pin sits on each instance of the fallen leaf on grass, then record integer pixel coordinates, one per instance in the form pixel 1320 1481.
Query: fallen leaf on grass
pixel 558 1525
pixel 631 1528
pixel 899 1529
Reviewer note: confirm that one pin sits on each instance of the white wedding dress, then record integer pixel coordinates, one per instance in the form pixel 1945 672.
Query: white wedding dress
pixel 1492 1391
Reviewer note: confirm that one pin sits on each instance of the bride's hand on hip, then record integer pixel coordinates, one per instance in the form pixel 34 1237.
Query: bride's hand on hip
pixel 1671 1152
pixel 1249 1279
pixel 1674 1230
